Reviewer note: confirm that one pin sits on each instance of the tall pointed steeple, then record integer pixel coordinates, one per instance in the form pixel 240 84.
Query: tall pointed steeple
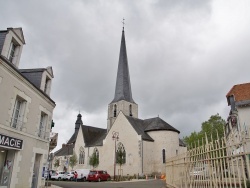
pixel 123 101
pixel 123 87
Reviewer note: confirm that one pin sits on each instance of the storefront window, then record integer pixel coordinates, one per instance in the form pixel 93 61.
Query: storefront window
pixel 6 166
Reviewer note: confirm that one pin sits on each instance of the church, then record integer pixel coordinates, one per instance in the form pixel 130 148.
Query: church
pixel 146 144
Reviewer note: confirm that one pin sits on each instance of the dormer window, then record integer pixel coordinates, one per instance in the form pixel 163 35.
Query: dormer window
pixel 47 86
pixel 12 51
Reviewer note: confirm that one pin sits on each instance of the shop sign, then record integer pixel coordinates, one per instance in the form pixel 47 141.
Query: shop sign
pixel 10 142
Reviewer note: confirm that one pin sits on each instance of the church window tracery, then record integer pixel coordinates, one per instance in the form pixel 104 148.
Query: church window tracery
pixel 120 154
pixel 81 155
pixel 163 156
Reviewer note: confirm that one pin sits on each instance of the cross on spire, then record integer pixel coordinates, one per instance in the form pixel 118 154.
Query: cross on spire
pixel 123 23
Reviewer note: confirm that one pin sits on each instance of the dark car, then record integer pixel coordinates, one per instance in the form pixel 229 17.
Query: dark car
pixel 98 175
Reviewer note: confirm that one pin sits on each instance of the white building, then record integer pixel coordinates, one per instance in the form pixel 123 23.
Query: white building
pixel 25 115
pixel 238 121
pixel 146 143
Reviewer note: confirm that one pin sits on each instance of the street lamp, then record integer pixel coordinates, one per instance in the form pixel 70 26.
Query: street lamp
pixel 115 137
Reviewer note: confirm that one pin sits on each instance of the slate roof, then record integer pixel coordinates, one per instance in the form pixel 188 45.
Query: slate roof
pixel 241 93
pixel 139 127
pixel 93 136
pixel 123 86
pixel 157 124
pixel 181 143
pixel 2 39
pixel 147 125
pixel 72 139
pixel 66 149
pixel 34 75
pixel 20 73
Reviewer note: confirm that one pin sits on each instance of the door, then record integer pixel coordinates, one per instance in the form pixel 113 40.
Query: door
pixel 6 166
pixel 36 171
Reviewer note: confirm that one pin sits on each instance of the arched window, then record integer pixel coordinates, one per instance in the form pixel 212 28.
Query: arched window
pixel 163 156
pixel 115 110
pixel 120 154
pixel 96 154
pixel 130 110
pixel 81 155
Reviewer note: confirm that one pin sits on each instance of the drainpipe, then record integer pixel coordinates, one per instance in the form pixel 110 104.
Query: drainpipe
pixel 88 159
pixel 142 156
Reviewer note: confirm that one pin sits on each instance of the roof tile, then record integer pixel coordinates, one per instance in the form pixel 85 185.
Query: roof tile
pixel 241 92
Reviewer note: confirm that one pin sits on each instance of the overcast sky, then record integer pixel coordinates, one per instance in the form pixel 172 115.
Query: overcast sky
pixel 184 55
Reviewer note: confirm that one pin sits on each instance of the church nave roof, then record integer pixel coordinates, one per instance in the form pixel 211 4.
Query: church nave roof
pixel 147 125
pixel 93 136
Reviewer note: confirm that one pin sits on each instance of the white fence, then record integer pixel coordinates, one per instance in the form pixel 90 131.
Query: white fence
pixel 222 163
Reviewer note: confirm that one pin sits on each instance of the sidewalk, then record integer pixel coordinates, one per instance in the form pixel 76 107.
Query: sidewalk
pixel 54 186
pixel 132 180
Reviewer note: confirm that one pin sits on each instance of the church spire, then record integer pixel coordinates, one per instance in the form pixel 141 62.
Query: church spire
pixel 123 87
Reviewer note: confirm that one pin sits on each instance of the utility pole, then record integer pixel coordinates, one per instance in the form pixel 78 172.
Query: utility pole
pixel 115 137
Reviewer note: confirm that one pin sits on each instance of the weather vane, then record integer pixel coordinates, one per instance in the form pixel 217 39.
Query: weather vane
pixel 123 23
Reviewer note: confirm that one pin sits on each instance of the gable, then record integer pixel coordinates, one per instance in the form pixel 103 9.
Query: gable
pixel 19 33
pixel 123 126
pixel 79 141
pixel 50 71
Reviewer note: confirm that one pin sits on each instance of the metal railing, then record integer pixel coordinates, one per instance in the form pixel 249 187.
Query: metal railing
pixel 220 163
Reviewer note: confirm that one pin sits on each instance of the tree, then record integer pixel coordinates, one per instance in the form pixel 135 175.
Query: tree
pixel 214 125
pixel 94 159
pixel 57 163
pixel 73 161
pixel 120 156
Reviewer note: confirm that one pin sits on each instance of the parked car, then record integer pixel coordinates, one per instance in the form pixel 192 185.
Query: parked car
pixel 48 174
pixel 98 175
pixel 57 175
pixel 197 172
pixel 82 174
pixel 68 176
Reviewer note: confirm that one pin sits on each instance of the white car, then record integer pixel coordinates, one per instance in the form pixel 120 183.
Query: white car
pixel 57 175
pixel 48 173
pixel 82 174
pixel 68 176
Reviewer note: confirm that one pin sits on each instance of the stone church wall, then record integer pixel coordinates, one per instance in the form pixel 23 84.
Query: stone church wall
pixel 148 157
pixel 129 138
pixel 167 140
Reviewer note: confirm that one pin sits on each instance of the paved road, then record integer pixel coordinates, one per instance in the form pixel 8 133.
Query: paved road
pixel 129 184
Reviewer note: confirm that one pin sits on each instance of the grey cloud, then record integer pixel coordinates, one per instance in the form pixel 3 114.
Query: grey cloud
pixel 182 62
